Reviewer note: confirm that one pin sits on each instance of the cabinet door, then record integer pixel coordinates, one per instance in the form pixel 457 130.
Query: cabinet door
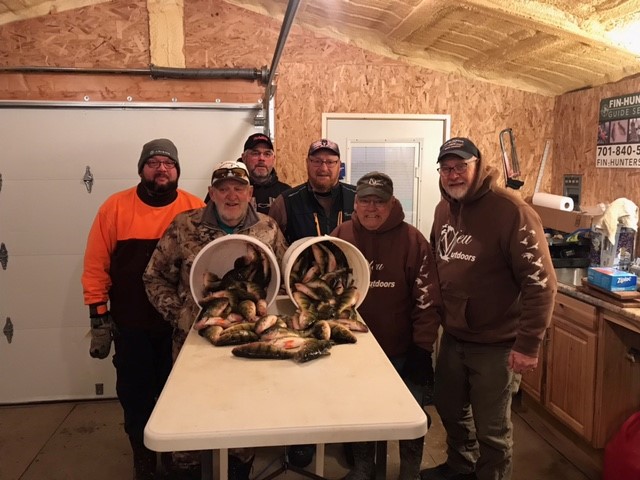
pixel 570 386
pixel 532 382
pixel 618 392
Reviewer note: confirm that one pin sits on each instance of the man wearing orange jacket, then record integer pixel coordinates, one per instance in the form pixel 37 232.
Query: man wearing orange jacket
pixel 122 238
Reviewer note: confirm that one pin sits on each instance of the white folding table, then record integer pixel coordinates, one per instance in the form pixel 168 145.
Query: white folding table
pixel 214 400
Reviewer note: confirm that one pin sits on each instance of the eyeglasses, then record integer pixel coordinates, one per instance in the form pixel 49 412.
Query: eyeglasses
pixel 257 153
pixel 366 202
pixel 316 162
pixel 168 164
pixel 459 168
pixel 229 172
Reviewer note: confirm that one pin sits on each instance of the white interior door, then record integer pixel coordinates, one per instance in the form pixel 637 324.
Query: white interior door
pixel 45 216
pixel 388 132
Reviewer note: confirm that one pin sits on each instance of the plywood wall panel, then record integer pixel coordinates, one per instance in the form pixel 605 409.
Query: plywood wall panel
pixel 114 34
pixel 477 110
pixel 576 124
pixel 316 74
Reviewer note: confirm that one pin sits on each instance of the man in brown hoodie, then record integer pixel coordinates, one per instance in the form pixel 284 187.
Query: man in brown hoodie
pixel 498 288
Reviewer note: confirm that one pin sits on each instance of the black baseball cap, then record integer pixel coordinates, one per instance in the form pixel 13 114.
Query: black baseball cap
pixel 324 144
pixel 460 147
pixel 256 139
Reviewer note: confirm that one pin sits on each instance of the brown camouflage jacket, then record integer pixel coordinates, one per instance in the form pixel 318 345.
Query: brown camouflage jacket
pixel 166 277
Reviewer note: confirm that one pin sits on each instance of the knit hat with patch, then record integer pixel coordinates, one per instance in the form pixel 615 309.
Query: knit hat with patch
pixel 159 146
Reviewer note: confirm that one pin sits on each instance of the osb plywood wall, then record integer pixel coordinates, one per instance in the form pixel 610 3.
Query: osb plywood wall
pixel 112 35
pixel 316 75
pixel 576 126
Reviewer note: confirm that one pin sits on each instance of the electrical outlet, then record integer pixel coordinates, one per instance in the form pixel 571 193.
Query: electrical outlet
pixel 99 389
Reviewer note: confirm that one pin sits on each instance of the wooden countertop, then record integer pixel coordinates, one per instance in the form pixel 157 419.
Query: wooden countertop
pixel 630 316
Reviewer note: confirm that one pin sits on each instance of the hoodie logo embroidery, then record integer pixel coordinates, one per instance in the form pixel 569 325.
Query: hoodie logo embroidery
pixel 449 239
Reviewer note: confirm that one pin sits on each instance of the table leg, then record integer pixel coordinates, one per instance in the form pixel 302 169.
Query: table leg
pixel 224 463
pixel 319 460
pixel 206 465
pixel 381 460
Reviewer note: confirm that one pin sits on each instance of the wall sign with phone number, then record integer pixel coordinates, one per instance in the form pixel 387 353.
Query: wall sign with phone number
pixel 619 132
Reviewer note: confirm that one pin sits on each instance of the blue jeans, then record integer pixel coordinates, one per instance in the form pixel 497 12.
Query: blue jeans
pixel 473 391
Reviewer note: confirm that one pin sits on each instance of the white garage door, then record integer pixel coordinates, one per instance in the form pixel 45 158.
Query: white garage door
pixel 46 212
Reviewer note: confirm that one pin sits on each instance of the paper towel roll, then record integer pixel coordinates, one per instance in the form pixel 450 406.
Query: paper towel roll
pixel 557 202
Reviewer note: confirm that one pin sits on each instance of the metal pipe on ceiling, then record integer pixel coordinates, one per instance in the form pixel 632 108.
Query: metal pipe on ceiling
pixel 287 21
pixel 260 74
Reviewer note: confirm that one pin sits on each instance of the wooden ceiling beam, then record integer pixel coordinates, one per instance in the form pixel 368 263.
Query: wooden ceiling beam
pixel 166 33
pixel 16 10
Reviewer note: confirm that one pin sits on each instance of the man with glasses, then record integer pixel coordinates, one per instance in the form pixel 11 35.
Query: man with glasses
pixel 402 307
pixel 319 205
pixel 122 238
pixel 167 275
pixel 259 157
pixel 498 288
pixel 314 208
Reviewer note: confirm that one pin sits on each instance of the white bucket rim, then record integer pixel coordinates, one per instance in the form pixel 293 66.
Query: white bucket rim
pixel 235 237
pixel 307 242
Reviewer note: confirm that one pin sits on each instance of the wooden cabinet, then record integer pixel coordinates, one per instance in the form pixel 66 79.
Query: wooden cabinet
pixel 571 374
pixel 533 382
pixel 618 376
pixel 588 375
pixel 565 380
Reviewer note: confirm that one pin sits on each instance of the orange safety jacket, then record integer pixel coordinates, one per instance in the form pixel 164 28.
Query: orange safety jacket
pixel 123 236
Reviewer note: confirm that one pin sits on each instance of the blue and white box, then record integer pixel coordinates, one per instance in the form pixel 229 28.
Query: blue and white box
pixel 612 279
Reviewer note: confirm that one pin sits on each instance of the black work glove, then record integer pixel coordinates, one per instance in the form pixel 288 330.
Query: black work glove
pixel 418 367
pixel 102 329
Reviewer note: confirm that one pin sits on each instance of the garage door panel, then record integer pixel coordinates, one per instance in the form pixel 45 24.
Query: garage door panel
pixel 46 213
pixel 44 292
pixel 55 219
pixel 52 364
pixel 70 139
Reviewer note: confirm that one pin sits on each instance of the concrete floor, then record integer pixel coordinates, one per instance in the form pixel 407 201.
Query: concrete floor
pixel 85 440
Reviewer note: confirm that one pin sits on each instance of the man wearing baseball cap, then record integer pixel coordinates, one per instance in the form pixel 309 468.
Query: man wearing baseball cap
pixel 167 275
pixel 122 237
pixel 402 307
pixel 321 203
pixel 259 156
pixel 498 287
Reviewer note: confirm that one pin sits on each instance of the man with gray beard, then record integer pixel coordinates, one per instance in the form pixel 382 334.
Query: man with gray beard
pixel 498 288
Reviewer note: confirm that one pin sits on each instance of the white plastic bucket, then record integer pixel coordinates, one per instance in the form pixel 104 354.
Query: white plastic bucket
pixel 218 257
pixel 357 263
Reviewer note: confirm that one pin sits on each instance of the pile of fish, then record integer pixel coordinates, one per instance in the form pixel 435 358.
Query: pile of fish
pixel 234 307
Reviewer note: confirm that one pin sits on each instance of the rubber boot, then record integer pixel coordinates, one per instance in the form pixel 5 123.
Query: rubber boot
pixel 144 461
pixel 364 461
pixel 410 458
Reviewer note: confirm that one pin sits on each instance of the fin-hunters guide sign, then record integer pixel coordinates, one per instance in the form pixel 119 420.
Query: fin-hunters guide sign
pixel 619 132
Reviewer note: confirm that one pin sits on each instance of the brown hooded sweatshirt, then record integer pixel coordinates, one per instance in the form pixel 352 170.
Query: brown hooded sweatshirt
pixel 496 277
pixel 403 305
